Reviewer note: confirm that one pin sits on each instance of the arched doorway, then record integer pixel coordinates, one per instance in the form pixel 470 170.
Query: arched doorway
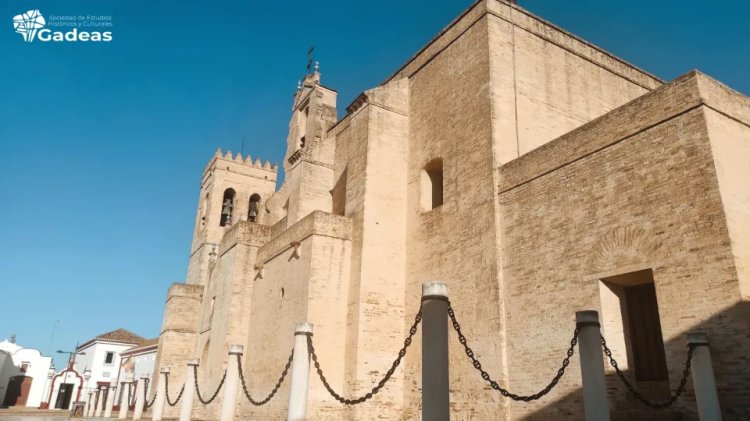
pixel 253 208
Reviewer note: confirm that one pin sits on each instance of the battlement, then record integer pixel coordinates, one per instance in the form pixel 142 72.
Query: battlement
pixel 246 161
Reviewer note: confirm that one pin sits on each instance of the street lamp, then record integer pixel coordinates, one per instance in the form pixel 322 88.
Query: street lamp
pixel 52 337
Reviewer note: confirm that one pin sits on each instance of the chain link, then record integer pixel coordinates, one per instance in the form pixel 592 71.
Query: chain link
pixel 131 395
pixel 166 391
pixel 636 393
pixel 145 397
pixel 382 382
pixel 198 391
pixel 493 383
pixel 275 389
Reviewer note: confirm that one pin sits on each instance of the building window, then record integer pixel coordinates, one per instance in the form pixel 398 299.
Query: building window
pixel 338 196
pixel 25 366
pixel 432 185
pixel 227 206
pixel 630 316
pixel 253 208
pixel 204 206
pixel 109 358
pixel 302 142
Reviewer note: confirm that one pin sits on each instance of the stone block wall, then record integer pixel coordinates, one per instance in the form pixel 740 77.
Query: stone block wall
pixel 636 189
pixel 308 285
pixel 177 337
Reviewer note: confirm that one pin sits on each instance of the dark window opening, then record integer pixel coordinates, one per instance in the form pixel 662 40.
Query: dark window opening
pixel 204 206
pixel 109 358
pixel 302 142
pixel 227 207
pixel 338 195
pixel 253 208
pixel 432 184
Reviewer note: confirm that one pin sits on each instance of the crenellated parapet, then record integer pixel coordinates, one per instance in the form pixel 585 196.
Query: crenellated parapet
pixel 220 158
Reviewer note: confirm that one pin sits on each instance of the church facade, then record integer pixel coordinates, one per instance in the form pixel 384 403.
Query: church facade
pixel 534 173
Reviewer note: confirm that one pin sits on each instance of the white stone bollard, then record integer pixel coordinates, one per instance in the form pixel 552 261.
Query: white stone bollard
pixel 704 383
pixel 186 410
pixel 231 384
pixel 161 396
pixel 99 402
pixel 595 401
pixel 435 377
pixel 300 373
pixel 140 400
pixel 111 391
pixel 124 402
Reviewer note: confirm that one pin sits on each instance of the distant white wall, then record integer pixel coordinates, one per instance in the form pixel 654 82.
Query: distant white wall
pixel 12 358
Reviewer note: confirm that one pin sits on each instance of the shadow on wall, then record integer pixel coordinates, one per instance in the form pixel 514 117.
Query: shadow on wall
pixel 729 336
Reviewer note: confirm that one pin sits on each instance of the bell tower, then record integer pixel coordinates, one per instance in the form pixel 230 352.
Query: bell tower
pixel 233 189
pixel 308 163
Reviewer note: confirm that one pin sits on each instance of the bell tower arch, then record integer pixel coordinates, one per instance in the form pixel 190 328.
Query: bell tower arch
pixel 233 189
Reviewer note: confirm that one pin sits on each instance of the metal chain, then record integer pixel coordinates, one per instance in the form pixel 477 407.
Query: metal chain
pixel 131 395
pixel 275 389
pixel 493 383
pixel 166 391
pixel 637 394
pixel 197 389
pixel 145 397
pixel 382 382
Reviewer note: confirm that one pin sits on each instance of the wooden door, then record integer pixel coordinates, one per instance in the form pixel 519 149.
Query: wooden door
pixel 17 392
pixel 645 333
pixel 64 395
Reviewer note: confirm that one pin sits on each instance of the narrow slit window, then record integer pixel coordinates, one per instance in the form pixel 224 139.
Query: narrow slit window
pixel 432 185
pixel 338 196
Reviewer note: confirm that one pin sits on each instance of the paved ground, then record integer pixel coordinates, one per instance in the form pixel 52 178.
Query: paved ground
pixel 42 418
pixel 29 418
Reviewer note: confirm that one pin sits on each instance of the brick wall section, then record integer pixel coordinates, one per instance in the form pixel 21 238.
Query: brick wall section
pixel 728 117
pixel 522 241
pixel 634 189
pixel 177 337
pixel 310 288
pixel 449 111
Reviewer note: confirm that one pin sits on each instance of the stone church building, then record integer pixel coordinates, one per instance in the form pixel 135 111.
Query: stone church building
pixel 533 172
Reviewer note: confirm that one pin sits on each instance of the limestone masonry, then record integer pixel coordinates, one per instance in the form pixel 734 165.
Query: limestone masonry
pixel 534 173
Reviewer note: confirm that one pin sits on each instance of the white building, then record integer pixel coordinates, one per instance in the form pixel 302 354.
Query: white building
pixel 138 362
pixel 97 364
pixel 24 375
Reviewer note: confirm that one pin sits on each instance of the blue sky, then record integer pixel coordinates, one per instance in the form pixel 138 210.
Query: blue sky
pixel 102 145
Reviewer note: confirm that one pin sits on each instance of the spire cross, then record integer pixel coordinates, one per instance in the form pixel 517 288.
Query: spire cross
pixel 310 59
